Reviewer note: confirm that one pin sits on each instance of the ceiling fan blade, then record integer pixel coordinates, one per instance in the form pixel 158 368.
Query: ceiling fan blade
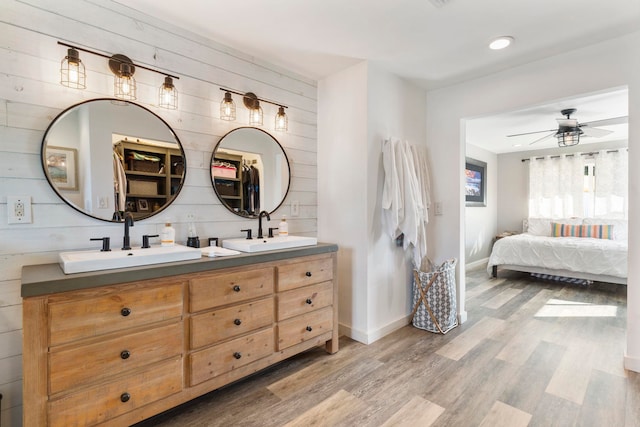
pixel 607 122
pixel 595 132
pixel 543 138
pixel 531 133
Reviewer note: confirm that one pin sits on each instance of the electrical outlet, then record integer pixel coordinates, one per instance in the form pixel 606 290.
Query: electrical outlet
pixel 295 208
pixel 19 209
pixel 103 202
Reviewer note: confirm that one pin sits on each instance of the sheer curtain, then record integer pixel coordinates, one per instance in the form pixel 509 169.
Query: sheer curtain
pixel 556 185
pixel 611 184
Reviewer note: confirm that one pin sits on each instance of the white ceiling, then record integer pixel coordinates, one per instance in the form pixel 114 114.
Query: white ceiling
pixel 429 45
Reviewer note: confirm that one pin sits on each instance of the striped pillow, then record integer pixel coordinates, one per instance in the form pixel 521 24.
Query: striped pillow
pixel 565 230
pixel 598 231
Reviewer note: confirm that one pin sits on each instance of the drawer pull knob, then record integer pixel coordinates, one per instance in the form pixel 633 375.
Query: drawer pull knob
pixel 237 355
pixel 309 301
pixel 124 397
pixel 236 288
pixel 125 311
pixel 308 274
pixel 124 354
pixel 309 328
pixel 237 322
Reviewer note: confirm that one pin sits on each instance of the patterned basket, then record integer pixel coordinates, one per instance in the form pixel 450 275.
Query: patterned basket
pixel 434 298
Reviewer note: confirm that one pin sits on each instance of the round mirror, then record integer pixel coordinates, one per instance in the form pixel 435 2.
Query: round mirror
pixel 250 172
pixel 105 157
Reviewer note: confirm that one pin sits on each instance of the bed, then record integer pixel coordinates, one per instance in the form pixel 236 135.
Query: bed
pixel 588 258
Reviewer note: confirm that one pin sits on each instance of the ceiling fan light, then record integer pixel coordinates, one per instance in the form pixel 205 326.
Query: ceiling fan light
pixel 569 138
pixel 501 42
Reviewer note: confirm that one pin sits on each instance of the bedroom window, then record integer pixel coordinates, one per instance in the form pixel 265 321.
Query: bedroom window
pixel 579 185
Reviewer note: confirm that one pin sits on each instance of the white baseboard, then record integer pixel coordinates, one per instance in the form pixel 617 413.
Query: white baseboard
pixel 631 363
pixel 476 264
pixel 373 336
pixel 462 317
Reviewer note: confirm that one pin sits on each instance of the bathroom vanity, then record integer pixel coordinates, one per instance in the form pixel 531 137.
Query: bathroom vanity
pixel 115 347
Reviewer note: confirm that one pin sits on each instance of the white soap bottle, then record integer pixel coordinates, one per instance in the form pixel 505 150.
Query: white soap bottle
pixel 283 227
pixel 168 235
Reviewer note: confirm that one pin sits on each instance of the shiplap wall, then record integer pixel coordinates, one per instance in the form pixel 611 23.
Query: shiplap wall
pixel 31 97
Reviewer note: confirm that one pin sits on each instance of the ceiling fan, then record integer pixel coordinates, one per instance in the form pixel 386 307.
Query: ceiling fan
pixel 569 130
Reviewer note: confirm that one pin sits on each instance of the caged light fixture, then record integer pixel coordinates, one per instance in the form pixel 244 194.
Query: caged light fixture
pixel 256 114
pixel 227 107
pixel 72 74
pixel 168 95
pixel 282 122
pixel 124 84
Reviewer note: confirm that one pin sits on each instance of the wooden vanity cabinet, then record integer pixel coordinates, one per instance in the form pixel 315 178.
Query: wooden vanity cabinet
pixel 117 354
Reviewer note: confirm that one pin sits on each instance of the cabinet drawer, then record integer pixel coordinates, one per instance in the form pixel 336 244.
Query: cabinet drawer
pixel 113 312
pixel 207 328
pixel 305 273
pixel 214 361
pixel 301 328
pixel 101 403
pixel 86 364
pixel 221 289
pixel 303 300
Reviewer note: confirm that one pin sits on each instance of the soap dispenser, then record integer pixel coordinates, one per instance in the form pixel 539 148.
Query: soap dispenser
pixel 192 238
pixel 168 235
pixel 283 227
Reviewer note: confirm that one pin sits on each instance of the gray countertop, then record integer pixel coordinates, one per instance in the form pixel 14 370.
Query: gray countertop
pixel 47 279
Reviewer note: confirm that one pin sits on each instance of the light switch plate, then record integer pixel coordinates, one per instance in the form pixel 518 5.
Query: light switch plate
pixel 19 210
pixel 295 208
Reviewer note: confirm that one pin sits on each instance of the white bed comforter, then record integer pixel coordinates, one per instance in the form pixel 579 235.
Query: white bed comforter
pixel 579 254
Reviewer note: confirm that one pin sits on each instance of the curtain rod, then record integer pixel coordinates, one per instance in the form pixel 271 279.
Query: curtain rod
pixel 592 153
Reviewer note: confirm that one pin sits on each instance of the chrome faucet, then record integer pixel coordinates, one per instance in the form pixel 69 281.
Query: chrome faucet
pixel 260 215
pixel 128 222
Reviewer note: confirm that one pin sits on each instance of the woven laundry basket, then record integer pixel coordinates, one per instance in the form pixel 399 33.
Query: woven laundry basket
pixel 434 298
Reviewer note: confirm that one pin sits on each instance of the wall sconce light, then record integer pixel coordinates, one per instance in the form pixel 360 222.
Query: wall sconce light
pixel 72 72
pixel 252 103
pixel 227 107
pixel 124 85
pixel 282 122
pixel 168 95
pixel 123 69
pixel 256 116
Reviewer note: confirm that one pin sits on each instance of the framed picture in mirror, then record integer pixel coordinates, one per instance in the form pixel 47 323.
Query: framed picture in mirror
pixel 143 205
pixel 62 167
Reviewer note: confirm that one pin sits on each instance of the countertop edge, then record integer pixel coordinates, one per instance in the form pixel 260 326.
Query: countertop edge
pixel 46 279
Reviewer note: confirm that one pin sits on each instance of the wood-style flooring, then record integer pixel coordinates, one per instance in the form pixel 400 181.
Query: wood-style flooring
pixel 533 352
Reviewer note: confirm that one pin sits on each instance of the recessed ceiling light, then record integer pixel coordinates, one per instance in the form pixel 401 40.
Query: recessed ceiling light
pixel 501 42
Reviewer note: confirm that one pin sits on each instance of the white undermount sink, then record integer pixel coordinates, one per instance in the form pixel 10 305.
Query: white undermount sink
pixel 268 243
pixel 83 261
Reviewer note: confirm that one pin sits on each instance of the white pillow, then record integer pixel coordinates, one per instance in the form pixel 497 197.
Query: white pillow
pixel 542 226
pixel 620 226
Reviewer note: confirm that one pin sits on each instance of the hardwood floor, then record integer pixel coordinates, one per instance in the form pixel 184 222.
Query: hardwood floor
pixel 533 352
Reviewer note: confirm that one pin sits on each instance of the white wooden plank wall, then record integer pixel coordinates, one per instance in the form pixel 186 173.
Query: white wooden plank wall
pixel 31 97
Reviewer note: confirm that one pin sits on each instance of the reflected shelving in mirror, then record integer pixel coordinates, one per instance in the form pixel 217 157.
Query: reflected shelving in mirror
pixel 250 172
pixel 104 157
